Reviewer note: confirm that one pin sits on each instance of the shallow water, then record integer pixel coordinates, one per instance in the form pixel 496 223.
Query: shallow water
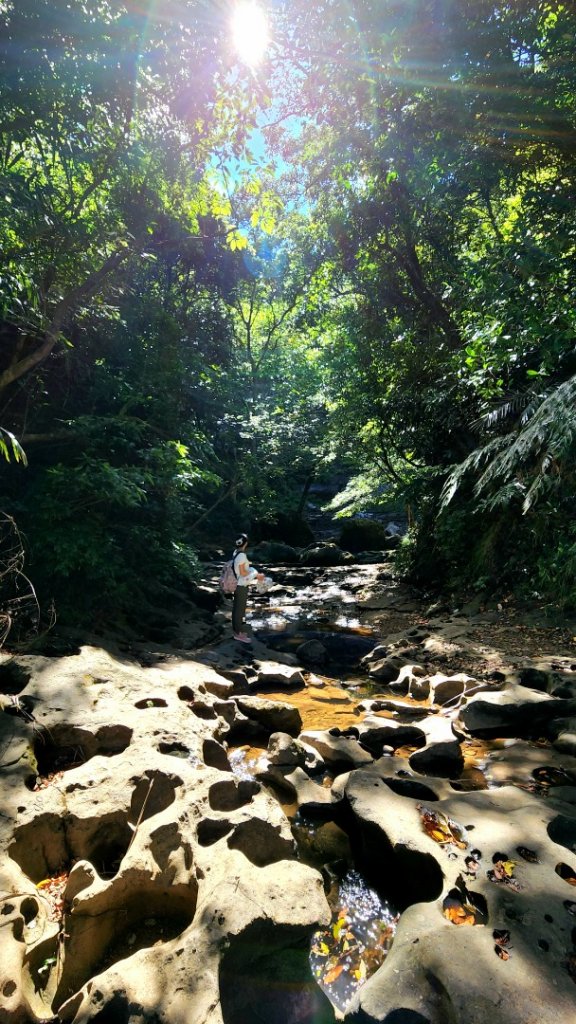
pixel 355 943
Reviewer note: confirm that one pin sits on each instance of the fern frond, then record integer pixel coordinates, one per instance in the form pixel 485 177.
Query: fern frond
pixel 504 496
pixel 11 448
pixel 511 406
pixel 527 462
pixel 471 464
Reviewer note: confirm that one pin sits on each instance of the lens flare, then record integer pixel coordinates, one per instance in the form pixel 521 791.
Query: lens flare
pixel 250 32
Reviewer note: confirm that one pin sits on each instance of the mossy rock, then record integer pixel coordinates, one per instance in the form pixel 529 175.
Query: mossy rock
pixel 364 535
pixel 275 553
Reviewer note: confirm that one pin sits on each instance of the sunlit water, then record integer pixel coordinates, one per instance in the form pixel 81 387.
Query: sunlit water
pixel 246 761
pixel 356 942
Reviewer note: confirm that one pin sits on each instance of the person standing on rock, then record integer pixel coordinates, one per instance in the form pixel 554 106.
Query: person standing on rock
pixel 245 575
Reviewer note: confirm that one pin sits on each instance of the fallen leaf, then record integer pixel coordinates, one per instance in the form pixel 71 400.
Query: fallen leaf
pixel 440 828
pixel 458 915
pixel 332 974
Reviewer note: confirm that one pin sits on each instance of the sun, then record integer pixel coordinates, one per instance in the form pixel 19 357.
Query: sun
pixel 250 32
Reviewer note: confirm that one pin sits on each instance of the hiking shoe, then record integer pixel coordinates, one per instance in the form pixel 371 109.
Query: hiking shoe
pixel 243 638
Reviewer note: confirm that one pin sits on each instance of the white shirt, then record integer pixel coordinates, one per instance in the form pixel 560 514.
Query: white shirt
pixel 240 559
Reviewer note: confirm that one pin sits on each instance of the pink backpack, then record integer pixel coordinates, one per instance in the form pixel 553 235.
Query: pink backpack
pixel 228 578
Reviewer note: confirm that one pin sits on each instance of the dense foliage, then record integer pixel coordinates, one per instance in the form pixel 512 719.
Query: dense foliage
pixel 191 331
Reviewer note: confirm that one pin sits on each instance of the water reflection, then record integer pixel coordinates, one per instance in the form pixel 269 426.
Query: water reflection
pixel 246 761
pixel 355 944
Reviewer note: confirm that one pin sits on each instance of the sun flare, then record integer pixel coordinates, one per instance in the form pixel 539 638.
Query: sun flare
pixel 250 32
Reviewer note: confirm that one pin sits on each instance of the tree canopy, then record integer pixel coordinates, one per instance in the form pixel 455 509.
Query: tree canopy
pixel 220 278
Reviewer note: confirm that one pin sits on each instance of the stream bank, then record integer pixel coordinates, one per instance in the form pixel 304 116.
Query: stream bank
pixel 407 762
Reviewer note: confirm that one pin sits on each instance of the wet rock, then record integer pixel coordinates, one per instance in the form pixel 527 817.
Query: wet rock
pixel 325 844
pixel 371 557
pixel 340 646
pixel 396 706
pixel 312 652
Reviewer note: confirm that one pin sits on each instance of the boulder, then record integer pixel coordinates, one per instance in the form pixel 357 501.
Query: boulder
pixel 285 751
pixel 312 652
pixel 362 534
pixel 273 674
pixel 337 750
pixel 377 733
pixel 514 711
pixel 274 552
pixel 272 716
pixel 446 689
pixel 325 554
pixel 388 670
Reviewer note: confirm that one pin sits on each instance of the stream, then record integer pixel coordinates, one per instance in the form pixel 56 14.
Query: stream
pixel 333 614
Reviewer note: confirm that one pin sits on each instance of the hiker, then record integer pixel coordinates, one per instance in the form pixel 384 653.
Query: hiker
pixel 245 575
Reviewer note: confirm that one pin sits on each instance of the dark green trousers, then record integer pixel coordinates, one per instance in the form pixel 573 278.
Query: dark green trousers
pixel 239 609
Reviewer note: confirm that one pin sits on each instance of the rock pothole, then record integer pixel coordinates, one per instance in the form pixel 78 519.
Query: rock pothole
pixel 214 755
pixel 14 678
pixel 67 746
pixel 229 795
pixel 210 830
pixel 150 917
pixel 411 788
pixel 562 830
pixel 50 843
pixel 265 975
pixel 261 843
pixel 152 794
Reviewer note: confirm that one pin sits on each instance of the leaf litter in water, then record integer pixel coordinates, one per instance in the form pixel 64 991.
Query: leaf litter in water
pixel 441 828
pixel 355 944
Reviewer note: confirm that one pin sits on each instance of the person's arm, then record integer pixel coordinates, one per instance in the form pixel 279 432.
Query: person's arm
pixel 248 572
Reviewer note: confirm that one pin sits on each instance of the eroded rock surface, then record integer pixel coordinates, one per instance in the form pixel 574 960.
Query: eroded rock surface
pixel 137 871
pixel 144 878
